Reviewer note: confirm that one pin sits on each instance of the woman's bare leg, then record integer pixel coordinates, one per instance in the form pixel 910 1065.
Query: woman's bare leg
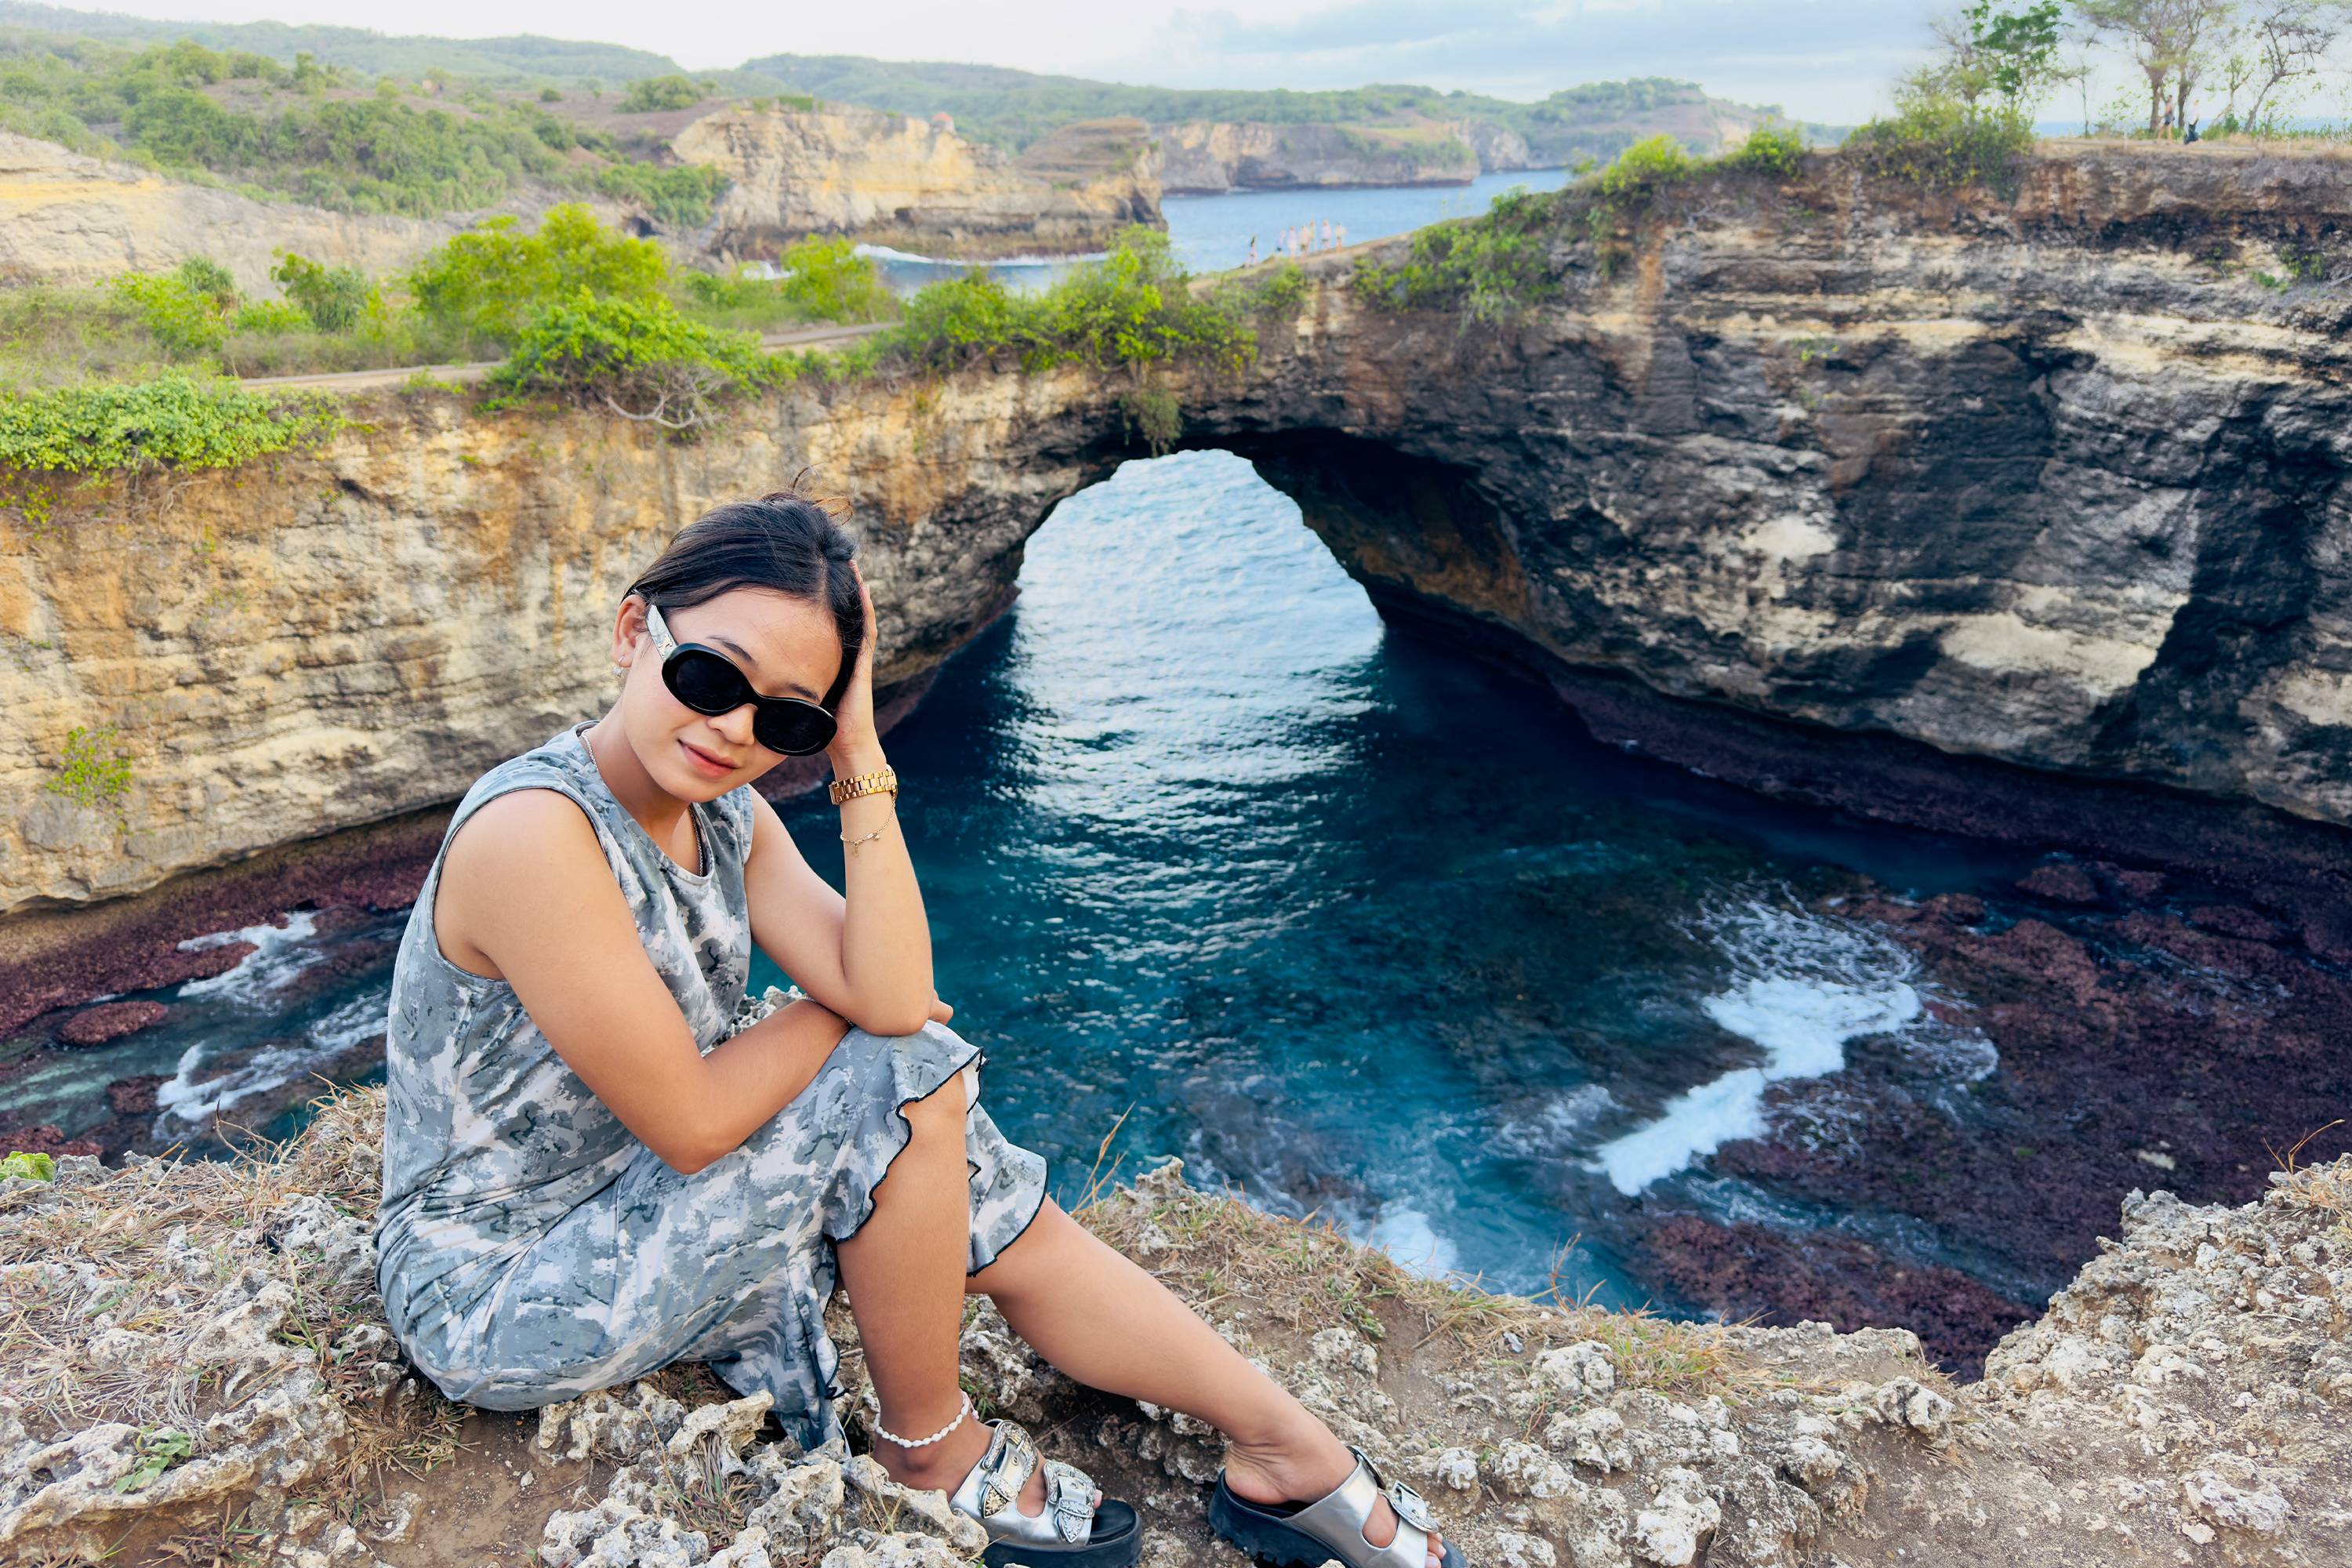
pixel 905 1270
pixel 1102 1320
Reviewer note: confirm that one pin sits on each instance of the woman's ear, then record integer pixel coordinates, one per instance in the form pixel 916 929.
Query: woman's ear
pixel 628 630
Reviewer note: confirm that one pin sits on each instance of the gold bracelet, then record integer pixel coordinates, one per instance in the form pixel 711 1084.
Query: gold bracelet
pixel 853 845
pixel 883 781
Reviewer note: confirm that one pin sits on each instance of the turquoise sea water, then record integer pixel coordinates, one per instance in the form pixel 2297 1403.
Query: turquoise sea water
pixel 1352 922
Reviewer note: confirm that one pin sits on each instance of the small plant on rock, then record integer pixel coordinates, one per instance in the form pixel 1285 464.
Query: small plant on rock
pixel 94 775
pixel 1154 414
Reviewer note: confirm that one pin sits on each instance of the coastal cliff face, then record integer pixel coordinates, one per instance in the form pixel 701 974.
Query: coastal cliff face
pixel 915 186
pixel 1200 157
pixel 2054 483
pixel 2058 482
pixel 68 218
pixel 359 632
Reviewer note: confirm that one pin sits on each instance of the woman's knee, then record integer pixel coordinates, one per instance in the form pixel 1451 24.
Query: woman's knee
pixel 940 1113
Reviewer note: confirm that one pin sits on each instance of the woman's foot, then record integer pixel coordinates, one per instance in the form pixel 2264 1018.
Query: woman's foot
pixel 941 1467
pixel 1301 1464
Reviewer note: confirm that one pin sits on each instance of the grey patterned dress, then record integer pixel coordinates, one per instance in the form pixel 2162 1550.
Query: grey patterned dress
pixel 532 1249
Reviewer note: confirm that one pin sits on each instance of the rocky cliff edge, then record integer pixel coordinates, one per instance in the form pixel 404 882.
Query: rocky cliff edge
pixel 915 186
pixel 69 218
pixel 200 1365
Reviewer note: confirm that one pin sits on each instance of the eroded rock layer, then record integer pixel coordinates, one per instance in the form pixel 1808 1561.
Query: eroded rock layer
pixel 916 185
pixel 1962 487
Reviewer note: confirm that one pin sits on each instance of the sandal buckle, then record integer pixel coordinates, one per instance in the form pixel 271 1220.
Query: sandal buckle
pixel 1410 1507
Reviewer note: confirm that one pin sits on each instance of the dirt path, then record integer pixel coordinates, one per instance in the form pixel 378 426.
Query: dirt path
pixel 371 380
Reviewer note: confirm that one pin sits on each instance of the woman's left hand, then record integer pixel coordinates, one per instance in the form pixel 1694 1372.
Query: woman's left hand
pixel 855 748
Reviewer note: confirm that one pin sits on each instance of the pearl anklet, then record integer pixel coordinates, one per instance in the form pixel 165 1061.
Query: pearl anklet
pixel 963 1409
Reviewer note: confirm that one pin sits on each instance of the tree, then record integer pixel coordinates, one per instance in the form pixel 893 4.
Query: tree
pixel 2291 39
pixel 1961 72
pixel 2167 39
pixel 2017 51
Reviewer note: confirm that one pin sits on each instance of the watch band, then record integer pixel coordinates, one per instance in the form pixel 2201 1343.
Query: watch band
pixel 883 781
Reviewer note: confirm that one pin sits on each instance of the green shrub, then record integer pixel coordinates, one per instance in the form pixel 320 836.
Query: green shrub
pixel 827 280
pixel 1944 143
pixel 208 278
pixel 490 283
pixel 653 94
pixel 268 317
pixel 1644 169
pixel 1492 268
pixel 550 95
pixel 1134 308
pixel 1772 150
pixel 640 358
pixel 1274 294
pixel 824 280
pixel 31 1166
pixel 175 420
pixel 960 320
pixel 678 198
pixel 182 320
pixel 333 297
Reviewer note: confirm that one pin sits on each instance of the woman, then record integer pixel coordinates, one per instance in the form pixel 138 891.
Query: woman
pixel 590 1173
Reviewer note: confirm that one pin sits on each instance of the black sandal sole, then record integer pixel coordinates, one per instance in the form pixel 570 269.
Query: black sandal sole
pixel 1118 1543
pixel 1261 1532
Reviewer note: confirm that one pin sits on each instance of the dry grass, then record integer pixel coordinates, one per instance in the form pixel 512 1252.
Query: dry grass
pixel 2328 1188
pixel 1222 1254
pixel 145 1249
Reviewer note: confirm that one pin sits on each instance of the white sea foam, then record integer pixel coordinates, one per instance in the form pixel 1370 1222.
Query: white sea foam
pixel 280 953
pixel 1804 987
pixel 1558 1125
pixel 185 1104
pixel 1405 1234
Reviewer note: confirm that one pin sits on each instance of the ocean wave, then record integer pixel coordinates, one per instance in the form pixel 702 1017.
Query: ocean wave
pixel 1803 987
pixel 190 1103
pixel 281 953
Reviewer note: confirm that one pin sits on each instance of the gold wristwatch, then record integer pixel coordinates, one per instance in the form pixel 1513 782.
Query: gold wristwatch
pixel 882 781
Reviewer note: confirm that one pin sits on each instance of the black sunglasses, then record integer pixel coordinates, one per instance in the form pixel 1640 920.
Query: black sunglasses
pixel 708 681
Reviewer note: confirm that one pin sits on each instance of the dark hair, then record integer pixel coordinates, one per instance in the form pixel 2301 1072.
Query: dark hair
pixel 784 542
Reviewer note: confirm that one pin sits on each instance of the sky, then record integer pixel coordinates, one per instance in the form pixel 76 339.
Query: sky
pixel 1821 59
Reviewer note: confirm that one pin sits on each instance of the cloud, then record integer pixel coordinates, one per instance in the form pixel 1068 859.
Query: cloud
pixel 1823 60
pixel 1827 58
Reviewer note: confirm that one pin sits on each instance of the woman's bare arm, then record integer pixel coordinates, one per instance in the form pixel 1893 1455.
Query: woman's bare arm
pixel 527 896
pixel 866 956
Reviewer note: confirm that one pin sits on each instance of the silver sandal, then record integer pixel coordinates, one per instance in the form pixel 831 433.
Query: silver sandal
pixel 1331 1527
pixel 1074 1530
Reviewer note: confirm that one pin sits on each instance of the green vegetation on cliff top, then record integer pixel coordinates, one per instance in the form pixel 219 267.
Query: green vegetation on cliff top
pixel 360 48
pixel 310 133
pixel 129 376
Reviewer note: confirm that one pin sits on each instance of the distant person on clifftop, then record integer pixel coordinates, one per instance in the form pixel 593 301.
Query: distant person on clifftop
pixel 600 1158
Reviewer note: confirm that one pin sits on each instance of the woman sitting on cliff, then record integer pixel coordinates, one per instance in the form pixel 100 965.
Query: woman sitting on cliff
pixel 591 1171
